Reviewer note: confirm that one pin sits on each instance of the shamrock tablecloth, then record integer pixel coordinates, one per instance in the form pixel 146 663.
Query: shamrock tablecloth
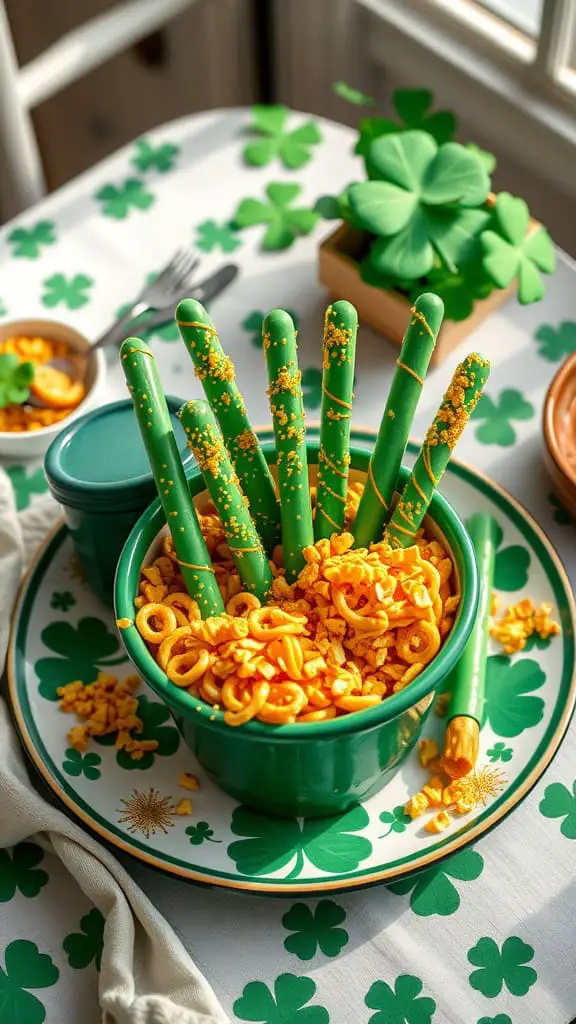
pixel 488 936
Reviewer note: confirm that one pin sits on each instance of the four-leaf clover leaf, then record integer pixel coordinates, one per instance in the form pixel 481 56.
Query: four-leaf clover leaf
pixel 82 652
pixel 559 802
pixel 315 929
pixel 284 221
pixel 217 236
pixel 512 250
pixel 15 379
pixel 86 946
pixel 507 706
pixel 432 892
pixel 201 833
pixel 270 844
pixel 62 600
pixel 499 752
pixel 28 242
pixel 25 484
pixel 556 342
pixel 502 967
pixel 396 820
pixel 413 109
pixel 118 202
pixel 498 415
pixel 77 764
pixel 253 325
pixel 159 158
pixel 312 387
pixel 25 968
pixel 154 717
pixel 18 871
pixel 292 148
pixel 287 1005
pixel 67 291
pixel 401 1005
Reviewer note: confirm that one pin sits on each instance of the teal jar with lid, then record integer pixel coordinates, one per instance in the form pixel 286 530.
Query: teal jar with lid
pixel 98 471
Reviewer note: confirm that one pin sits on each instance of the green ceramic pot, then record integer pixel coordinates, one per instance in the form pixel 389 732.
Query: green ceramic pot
pixel 316 769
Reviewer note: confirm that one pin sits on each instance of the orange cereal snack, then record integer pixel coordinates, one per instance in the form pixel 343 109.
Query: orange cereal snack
pixel 105 707
pixel 59 392
pixel 520 621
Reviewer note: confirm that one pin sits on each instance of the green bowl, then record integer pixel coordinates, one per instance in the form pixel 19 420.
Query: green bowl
pixel 313 769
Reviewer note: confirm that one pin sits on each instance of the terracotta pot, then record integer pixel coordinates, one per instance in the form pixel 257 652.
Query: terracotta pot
pixel 559 424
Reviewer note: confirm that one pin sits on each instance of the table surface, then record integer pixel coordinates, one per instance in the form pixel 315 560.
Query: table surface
pixel 79 256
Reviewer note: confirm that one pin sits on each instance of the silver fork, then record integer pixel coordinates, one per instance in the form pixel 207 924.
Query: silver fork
pixel 168 287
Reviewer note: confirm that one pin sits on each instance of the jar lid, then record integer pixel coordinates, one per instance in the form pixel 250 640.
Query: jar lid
pixel 99 462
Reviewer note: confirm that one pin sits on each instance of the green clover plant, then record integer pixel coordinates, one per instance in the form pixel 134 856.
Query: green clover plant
pixel 15 380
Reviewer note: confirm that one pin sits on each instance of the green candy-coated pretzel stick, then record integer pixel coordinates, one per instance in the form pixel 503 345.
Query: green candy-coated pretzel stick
pixel 285 391
pixel 205 441
pixel 143 382
pixel 386 459
pixel 455 410
pixel 340 330
pixel 216 372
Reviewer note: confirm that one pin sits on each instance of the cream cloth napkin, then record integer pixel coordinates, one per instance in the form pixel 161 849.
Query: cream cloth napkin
pixel 146 975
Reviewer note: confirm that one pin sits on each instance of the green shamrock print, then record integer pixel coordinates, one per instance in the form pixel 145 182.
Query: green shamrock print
pixel 25 484
pixel 18 871
pixel 507 706
pixel 25 968
pixel 291 148
pixel 28 242
pixel 352 95
pixel 511 249
pixel 66 291
pixel 401 1005
pixel 62 600
pixel 540 643
pixel 315 929
pixel 505 967
pixel 118 202
pixel 287 1005
pixel 154 158
pixel 498 416
pixel 253 325
pixel 82 650
pixel 556 342
pixel 270 844
pixel 500 1018
pixel 512 564
pixel 432 892
pixel 217 236
pixel 559 802
pixel 499 752
pixel 86 946
pixel 312 388
pixel 396 820
pixel 76 764
pixel 200 833
pixel 559 514
pixel 153 716
pixel 166 332
pixel 284 222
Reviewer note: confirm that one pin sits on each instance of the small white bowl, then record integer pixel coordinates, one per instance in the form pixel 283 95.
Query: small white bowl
pixel 33 443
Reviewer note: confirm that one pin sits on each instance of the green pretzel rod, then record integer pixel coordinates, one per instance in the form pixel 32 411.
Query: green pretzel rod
pixel 205 441
pixel 143 382
pixel 340 329
pixel 386 459
pixel 216 372
pixel 279 340
pixel 455 410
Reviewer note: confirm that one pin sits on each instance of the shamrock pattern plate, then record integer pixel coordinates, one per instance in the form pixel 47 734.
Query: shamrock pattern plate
pixel 62 633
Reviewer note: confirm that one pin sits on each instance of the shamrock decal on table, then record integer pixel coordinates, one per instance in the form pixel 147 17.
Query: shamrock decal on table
pixel 18 871
pixel 511 249
pixel 512 563
pixel 25 968
pixel 166 332
pixel 396 820
pixel 401 1004
pixel 76 764
pixel 86 946
pixel 15 379
pixel 556 342
pixel 284 221
pixel 83 651
pixel 291 147
pixel 507 706
pixel 559 802
pixel 201 833
pixel 560 515
pixel 27 242
pixel 498 416
pixel 312 387
pixel 153 716
pixel 270 844
pixel 158 158
pixel 62 600
pixel 413 109
pixel 118 202
pixel 66 291
pixel 500 1018
pixel 25 484
pixel 505 967
pixel 253 325
pixel 315 929
pixel 499 752
pixel 217 236
pixel 287 1005
pixel 352 95
pixel 432 892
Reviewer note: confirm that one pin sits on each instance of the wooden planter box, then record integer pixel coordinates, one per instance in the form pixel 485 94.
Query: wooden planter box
pixel 389 312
